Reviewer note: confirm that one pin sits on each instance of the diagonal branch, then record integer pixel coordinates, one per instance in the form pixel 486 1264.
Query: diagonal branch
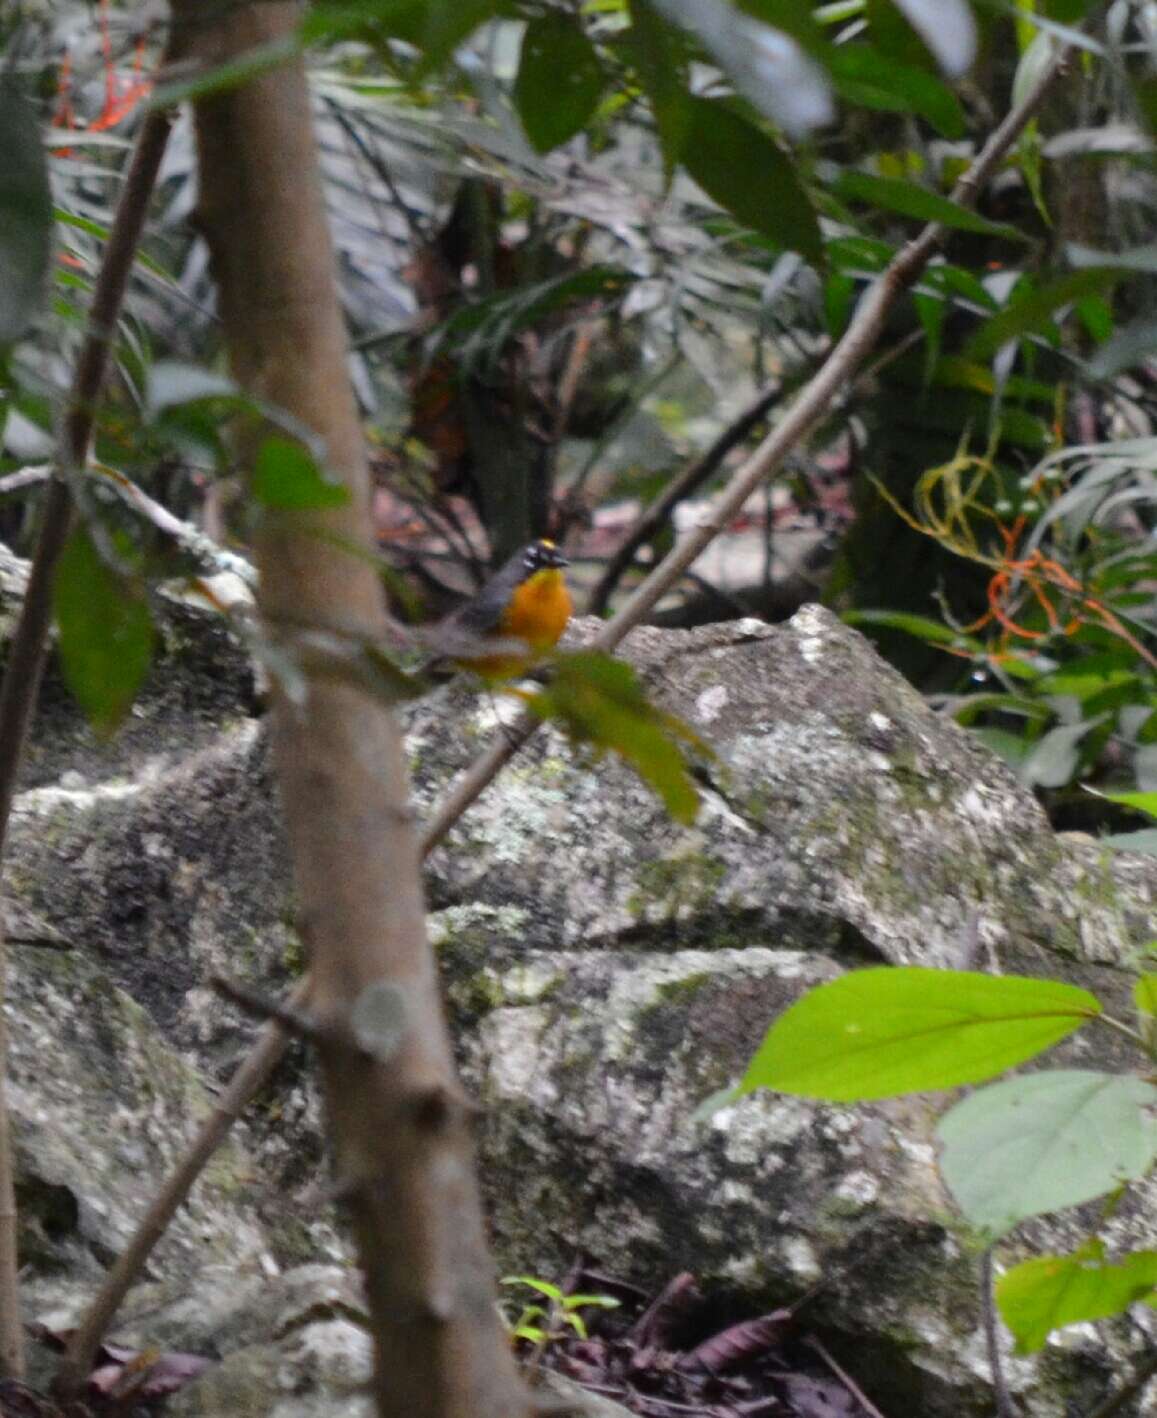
pixel 27 654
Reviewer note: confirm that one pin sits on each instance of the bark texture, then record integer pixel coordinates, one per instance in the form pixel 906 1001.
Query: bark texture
pixel 400 1128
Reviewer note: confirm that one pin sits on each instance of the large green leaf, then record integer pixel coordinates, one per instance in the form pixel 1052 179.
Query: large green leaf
pixel 902 1029
pixel 598 701
pixel 1045 1141
pixel 894 194
pixel 105 632
pixel 1052 1291
pixel 560 80
pixel 752 177
pixel 25 213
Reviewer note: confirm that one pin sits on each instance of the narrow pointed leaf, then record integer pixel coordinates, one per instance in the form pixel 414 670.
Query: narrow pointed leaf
pixel 902 1029
pixel 1031 313
pixel 894 194
pixel 866 77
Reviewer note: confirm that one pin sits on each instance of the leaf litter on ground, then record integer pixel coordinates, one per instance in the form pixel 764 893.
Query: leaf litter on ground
pixel 666 1360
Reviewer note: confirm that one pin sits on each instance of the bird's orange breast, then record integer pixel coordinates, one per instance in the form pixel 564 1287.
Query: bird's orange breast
pixel 538 611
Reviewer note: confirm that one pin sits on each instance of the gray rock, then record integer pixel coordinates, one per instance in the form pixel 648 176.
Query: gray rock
pixel 607 969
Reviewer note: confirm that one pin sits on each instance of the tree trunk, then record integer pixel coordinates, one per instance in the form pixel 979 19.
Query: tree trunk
pixel 400 1128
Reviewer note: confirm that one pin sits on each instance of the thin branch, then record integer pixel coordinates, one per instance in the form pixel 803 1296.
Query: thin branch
pixel 253 1074
pixel 293 1019
pixel 845 360
pixel 208 554
pixel 26 656
pixel 846 1379
pixel 414 224
pixel 11 1321
pixel 1005 1407
pixel 27 653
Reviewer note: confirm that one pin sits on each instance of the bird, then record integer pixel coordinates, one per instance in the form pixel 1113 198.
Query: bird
pixel 525 600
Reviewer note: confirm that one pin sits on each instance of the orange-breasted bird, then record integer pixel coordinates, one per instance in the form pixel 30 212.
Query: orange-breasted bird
pixel 526 599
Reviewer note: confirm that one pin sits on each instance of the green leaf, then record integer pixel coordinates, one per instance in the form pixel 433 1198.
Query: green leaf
pixel 902 1029
pixel 231 74
pixel 663 76
pixel 1033 311
pixel 1069 11
pixel 602 1302
pixel 1145 994
pixel 559 80
pixel 1141 802
pixel 285 476
pixel 447 25
pixel 105 630
pixel 1056 757
pixel 714 1102
pixel 892 35
pixel 1045 1141
pixel 934 632
pixel 544 1287
pixel 172 382
pixel 893 194
pixel 1004 743
pixel 25 213
pixel 968 708
pixel 873 80
pixel 599 701
pixel 1041 1295
pixel 750 176
pixel 839 295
